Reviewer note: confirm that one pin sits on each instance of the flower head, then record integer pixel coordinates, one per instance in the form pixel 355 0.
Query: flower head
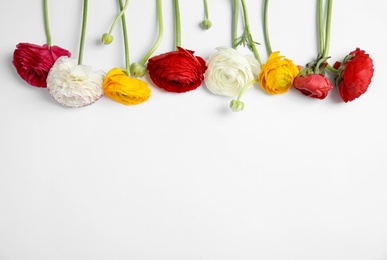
pixel 277 74
pixel 177 71
pixel 33 62
pixel 74 85
pixel 354 74
pixel 311 80
pixel 313 85
pixel 124 89
pixel 229 71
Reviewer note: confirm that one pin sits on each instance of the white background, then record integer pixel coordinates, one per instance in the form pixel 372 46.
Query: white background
pixel 181 176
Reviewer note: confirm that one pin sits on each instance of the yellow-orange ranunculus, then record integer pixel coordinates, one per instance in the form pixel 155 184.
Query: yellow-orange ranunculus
pixel 278 74
pixel 124 89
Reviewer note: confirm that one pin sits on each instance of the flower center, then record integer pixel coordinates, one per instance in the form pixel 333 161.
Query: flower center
pixel 229 75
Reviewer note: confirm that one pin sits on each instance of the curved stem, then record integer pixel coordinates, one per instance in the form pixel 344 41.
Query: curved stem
pixel 320 26
pixel 160 33
pixel 84 23
pixel 266 29
pixel 328 29
pixel 123 9
pixel 177 24
pixel 46 24
pixel 331 69
pixel 247 28
pixel 246 87
pixel 125 34
pixel 235 23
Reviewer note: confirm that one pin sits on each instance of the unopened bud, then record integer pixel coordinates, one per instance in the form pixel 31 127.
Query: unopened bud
pixel 206 24
pixel 107 38
pixel 137 70
pixel 237 105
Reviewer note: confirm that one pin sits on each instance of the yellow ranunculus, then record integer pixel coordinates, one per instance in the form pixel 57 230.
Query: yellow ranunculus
pixel 277 74
pixel 124 89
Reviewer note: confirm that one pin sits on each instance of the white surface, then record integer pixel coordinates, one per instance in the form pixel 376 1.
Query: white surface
pixel 181 176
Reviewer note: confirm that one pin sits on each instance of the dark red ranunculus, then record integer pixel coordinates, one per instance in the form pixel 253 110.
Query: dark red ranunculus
pixel 355 74
pixel 177 71
pixel 33 62
pixel 313 85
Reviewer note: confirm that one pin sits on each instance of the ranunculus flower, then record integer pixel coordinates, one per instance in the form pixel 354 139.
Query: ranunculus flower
pixel 313 85
pixel 228 71
pixel 124 89
pixel 177 71
pixel 277 74
pixel 33 62
pixel 355 74
pixel 74 85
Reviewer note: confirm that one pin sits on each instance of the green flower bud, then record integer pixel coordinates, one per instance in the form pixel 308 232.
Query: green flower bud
pixel 107 38
pixel 206 24
pixel 137 70
pixel 237 105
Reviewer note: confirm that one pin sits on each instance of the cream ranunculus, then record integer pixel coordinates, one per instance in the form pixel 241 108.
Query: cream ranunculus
pixel 228 71
pixel 74 85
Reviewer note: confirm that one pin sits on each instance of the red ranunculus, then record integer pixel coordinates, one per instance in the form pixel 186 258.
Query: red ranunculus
pixel 33 62
pixel 313 85
pixel 355 74
pixel 177 71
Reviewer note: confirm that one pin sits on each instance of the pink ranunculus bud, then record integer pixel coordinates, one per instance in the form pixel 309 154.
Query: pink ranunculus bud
pixel 313 85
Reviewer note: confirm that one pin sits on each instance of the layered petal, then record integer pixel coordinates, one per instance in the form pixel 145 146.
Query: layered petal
pixel 355 75
pixel 74 85
pixel 177 71
pixel 228 71
pixel 124 89
pixel 277 74
pixel 313 85
pixel 33 62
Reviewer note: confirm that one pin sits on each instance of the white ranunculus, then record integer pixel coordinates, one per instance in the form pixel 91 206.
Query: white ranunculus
pixel 228 71
pixel 74 85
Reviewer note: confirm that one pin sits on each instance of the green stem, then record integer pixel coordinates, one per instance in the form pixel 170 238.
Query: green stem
pixel 206 9
pixel 247 28
pixel 46 24
pixel 123 9
pixel 83 33
pixel 160 33
pixel 328 29
pixel 266 29
pixel 321 26
pixel 125 34
pixel 246 87
pixel 331 69
pixel 177 24
pixel 235 24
